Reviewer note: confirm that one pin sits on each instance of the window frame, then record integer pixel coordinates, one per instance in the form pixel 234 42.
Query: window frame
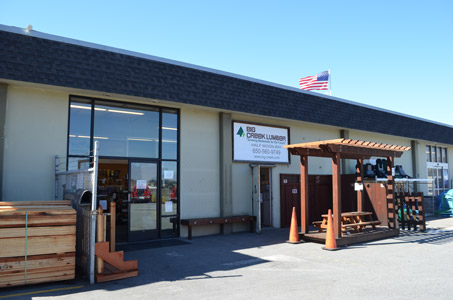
pixel 159 159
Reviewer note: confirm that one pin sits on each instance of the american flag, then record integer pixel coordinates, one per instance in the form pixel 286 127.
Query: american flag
pixel 316 82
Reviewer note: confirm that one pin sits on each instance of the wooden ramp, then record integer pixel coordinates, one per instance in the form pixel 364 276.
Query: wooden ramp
pixel 114 267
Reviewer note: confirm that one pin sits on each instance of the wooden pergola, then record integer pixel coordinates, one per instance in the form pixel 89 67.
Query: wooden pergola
pixel 345 149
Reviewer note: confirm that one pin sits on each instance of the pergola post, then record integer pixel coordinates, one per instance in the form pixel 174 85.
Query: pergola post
pixel 359 170
pixel 336 193
pixel 391 207
pixel 304 194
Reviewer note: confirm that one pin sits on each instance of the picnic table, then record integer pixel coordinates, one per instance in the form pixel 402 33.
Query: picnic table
pixel 356 220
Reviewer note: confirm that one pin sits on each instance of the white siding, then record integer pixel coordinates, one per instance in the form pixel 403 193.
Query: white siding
pixel 199 163
pixel 36 128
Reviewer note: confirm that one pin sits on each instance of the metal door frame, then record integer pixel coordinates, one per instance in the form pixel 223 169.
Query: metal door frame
pixel 151 234
pixel 271 198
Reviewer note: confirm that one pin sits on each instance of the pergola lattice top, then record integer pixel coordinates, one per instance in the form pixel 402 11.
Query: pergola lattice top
pixel 347 148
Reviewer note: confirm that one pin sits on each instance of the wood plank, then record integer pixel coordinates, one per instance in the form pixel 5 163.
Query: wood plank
pixel 100 237
pixel 59 274
pixel 35 210
pixel 14 247
pixel 116 276
pixel 336 195
pixel 362 224
pixel 36 273
pixel 5 210
pixel 112 226
pixel 116 259
pixel 37 231
pixel 359 172
pixel 304 203
pixel 17 264
pixel 32 203
pixel 391 194
pixel 217 220
pixel 43 219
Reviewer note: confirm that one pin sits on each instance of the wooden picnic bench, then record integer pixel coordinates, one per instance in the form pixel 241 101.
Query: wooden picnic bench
pixel 218 220
pixel 356 220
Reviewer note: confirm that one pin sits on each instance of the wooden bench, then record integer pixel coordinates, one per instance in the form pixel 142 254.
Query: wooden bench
pixel 360 225
pixel 319 225
pixel 218 220
pixel 350 220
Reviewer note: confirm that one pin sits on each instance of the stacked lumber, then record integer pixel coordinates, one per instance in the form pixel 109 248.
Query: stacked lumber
pixel 37 242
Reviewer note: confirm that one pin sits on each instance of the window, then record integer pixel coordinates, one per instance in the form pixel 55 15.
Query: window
pixel 147 138
pixel 126 130
pixel 79 127
pixel 444 155
pixel 169 134
pixel 428 153
pixel 122 129
pixel 436 154
pixel 437 163
pixel 433 154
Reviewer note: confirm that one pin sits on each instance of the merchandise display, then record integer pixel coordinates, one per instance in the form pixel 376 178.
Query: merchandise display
pixel 113 186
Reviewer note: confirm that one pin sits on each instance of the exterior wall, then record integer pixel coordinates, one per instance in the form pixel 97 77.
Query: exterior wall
pixel 199 165
pixel 423 171
pixel 450 165
pixel 35 131
pixel 405 160
pixel 300 132
pixel 422 166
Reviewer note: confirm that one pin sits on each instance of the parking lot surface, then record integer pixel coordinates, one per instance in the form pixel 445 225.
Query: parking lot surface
pixel 414 265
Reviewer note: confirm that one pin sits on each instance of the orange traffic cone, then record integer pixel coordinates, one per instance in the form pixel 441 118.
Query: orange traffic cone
pixel 331 243
pixel 294 230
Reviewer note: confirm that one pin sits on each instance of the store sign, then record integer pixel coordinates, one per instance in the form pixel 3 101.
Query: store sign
pixel 258 143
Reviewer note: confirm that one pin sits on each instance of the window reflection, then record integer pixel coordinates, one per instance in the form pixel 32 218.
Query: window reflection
pixel 126 132
pixel 439 155
pixel 428 153
pixel 446 179
pixel 78 163
pixel 79 128
pixel 433 153
pixel 169 135
pixel 169 189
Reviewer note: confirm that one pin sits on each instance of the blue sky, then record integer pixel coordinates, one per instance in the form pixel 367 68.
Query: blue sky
pixel 396 55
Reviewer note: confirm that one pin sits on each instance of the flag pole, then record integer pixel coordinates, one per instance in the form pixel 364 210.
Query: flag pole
pixel 330 84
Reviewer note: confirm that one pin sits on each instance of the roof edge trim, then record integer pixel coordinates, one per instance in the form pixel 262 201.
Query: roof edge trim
pixel 42 35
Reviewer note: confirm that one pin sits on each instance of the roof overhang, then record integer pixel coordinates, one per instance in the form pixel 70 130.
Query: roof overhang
pixel 347 148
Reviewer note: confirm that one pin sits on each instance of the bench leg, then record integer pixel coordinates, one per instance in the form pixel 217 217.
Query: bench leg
pixel 190 232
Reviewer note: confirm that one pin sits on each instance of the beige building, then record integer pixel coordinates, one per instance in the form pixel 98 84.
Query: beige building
pixel 166 131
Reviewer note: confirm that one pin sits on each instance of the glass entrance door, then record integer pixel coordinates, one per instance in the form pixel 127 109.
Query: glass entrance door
pixel 439 173
pixel 143 208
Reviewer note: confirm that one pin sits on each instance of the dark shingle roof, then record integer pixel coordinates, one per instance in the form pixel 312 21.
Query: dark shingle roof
pixel 46 61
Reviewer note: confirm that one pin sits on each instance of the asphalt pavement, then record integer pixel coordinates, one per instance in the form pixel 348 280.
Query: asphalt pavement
pixel 414 265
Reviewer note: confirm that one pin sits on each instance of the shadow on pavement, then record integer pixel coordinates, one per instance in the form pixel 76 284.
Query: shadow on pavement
pixel 180 259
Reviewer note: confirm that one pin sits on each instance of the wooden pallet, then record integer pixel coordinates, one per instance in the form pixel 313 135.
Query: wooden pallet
pixel 37 242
